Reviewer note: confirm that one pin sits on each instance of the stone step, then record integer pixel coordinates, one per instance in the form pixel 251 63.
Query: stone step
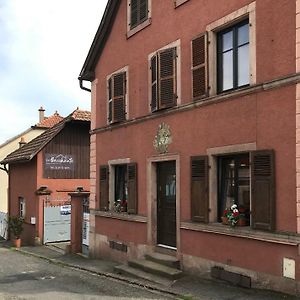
pixel 136 273
pixel 156 268
pixel 167 260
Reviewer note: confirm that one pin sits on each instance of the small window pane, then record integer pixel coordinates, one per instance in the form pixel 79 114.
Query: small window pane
pixel 243 34
pixel 227 41
pixel 228 70
pixel 243 65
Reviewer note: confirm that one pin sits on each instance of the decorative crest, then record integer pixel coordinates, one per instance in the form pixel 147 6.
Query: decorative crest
pixel 162 139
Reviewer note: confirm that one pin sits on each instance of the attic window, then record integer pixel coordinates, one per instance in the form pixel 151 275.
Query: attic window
pixel 138 15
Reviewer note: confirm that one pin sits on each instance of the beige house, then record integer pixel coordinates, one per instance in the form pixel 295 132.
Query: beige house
pixel 10 146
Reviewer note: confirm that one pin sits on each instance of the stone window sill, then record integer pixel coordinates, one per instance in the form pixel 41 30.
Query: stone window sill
pixel 179 2
pixel 138 28
pixel 120 216
pixel 244 232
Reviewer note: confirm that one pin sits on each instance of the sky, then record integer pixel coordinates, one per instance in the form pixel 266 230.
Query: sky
pixel 43 45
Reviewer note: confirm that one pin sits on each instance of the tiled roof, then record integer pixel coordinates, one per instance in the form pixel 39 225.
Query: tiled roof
pixel 49 122
pixel 30 150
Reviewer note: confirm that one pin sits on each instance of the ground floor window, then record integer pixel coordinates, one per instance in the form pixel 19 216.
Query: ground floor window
pixel 22 207
pixel 234 186
pixel 121 189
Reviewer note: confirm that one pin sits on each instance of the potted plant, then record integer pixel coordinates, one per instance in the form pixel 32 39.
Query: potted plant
pixel 232 214
pixel 15 224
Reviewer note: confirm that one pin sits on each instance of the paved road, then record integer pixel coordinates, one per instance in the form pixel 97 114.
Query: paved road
pixel 26 277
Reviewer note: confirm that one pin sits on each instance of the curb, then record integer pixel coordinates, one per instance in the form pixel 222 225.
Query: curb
pixel 103 274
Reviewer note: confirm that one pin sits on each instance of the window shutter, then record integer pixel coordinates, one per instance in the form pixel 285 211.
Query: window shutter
pixel 154 83
pixel 133 13
pixel 119 89
pixel 263 190
pixel 104 176
pixel 132 188
pixel 199 189
pixel 167 78
pixel 199 66
pixel 110 92
pixel 143 10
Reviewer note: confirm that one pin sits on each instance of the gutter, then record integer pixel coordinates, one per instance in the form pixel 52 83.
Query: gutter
pixel 4 168
pixel 81 85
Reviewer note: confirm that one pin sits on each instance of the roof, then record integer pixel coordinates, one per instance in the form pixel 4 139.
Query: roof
pixel 49 122
pixel 87 71
pixel 30 150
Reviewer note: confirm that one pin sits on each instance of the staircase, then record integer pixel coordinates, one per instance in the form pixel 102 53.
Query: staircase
pixel 155 267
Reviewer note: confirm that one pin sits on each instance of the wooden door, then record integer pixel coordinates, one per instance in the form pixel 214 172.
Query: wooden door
pixel 166 204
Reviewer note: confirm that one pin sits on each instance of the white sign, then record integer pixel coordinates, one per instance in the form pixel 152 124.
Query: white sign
pixel 65 210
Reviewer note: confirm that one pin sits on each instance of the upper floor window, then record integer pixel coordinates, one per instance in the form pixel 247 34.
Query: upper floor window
pixel 164 79
pixel 138 12
pixel 233 57
pixel 117 91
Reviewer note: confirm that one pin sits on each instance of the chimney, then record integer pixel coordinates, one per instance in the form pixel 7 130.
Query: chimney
pixel 22 142
pixel 41 114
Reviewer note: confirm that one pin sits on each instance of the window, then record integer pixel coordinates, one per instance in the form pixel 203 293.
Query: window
pixel 235 174
pixel 233 57
pixel 163 67
pixel 117 97
pixel 118 188
pixel 138 12
pixel 234 184
pixel 22 207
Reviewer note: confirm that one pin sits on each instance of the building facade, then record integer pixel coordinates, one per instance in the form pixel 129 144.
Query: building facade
pixel 194 116
pixel 43 172
pixel 10 146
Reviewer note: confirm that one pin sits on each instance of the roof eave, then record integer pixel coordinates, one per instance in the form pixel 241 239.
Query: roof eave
pixel 88 70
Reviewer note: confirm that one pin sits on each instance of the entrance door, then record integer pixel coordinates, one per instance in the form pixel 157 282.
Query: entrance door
pixel 166 204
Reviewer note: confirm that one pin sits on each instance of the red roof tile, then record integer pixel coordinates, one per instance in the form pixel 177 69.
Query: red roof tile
pixel 49 122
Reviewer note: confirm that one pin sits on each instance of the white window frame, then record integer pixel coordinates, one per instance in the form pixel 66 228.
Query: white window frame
pixel 246 12
pixel 147 22
pixel 122 70
pixel 176 45
pixel 22 207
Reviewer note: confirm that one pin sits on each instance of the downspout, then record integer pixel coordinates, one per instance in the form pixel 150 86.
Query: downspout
pixel 81 85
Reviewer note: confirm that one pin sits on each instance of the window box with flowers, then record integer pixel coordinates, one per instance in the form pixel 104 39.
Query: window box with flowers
pixel 234 216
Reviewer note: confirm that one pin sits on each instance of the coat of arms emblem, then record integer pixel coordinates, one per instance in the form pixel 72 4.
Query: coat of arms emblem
pixel 162 139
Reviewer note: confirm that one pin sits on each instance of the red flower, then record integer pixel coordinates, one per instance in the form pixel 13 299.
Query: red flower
pixel 225 212
pixel 235 214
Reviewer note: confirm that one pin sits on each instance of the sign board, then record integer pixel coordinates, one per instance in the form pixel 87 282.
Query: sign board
pixel 65 210
pixel 59 162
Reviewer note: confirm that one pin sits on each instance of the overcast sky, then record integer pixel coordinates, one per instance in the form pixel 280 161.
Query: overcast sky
pixel 43 45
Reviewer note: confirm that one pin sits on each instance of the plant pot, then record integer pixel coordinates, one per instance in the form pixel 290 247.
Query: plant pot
pixel 17 243
pixel 224 220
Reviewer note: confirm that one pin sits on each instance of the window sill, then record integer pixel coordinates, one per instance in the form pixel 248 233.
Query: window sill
pixel 119 216
pixel 179 2
pixel 243 232
pixel 138 28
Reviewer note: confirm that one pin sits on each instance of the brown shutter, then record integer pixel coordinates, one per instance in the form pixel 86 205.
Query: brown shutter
pixel 119 89
pixel 143 9
pixel 199 66
pixel 132 188
pixel 199 189
pixel 110 92
pixel 133 13
pixel 104 176
pixel 167 78
pixel 154 85
pixel 263 190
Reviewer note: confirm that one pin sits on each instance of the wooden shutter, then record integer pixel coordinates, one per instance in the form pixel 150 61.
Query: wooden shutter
pixel 199 189
pixel 263 190
pixel 119 92
pixel 110 101
pixel 199 66
pixel 167 78
pixel 154 85
pixel 132 188
pixel 104 176
pixel 143 10
pixel 133 13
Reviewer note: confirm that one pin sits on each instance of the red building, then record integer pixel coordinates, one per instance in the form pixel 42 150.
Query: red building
pixel 42 174
pixel 194 110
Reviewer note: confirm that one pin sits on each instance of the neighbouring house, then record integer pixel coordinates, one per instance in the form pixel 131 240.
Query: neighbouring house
pixel 13 144
pixel 43 173
pixel 195 119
